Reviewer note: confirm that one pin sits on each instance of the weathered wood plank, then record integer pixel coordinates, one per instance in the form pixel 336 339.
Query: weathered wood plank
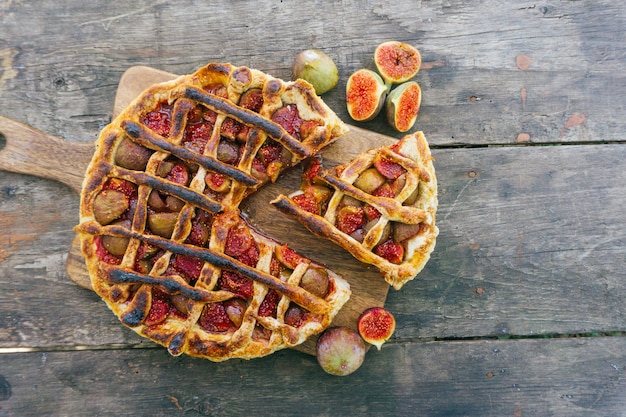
pixel 531 242
pixel 494 72
pixel 544 377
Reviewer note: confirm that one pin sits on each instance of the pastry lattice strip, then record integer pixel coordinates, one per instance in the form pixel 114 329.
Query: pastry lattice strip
pixel 380 207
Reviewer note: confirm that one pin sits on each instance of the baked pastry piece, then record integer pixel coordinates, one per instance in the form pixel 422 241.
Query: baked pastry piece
pixel 165 244
pixel 381 206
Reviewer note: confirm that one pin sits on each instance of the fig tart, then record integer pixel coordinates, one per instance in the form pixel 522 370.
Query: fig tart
pixel 381 206
pixel 164 241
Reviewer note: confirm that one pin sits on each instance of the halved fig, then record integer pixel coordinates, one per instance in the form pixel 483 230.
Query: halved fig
pixel 376 325
pixel 403 105
pixel 396 61
pixel 340 351
pixel 365 95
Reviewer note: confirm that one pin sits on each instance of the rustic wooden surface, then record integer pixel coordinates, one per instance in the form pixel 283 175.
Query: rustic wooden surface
pixel 519 312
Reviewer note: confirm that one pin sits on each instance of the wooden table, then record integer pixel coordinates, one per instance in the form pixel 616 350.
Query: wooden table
pixel 521 310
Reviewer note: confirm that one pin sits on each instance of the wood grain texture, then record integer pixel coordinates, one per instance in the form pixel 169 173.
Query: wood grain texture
pixel 28 151
pixel 532 237
pixel 72 55
pixel 488 378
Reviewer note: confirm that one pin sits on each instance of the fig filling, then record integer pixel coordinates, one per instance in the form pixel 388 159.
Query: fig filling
pixel 200 124
pixel 162 306
pixel 251 99
pixel 355 218
pixel 214 318
pixel 159 120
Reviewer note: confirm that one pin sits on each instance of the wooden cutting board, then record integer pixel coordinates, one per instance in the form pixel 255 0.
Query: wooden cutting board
pixel 33 152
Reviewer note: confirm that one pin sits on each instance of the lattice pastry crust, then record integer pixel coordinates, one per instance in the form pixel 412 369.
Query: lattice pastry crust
pixel 381 206
pixel 164 241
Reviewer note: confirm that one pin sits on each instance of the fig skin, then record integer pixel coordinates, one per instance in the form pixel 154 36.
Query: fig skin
pixel 369 180
pixel 235 309
pixel 316 68
pixel 340 350
pixel 132 155
pixel 403 105
pixel 376 325
pixel 116 245
pixel 402 231
pixel 365 95
pixel 163 223
pixel 397 62
pixel 109 205
pixel 315 280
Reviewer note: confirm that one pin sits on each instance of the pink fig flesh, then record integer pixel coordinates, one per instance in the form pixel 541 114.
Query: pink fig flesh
pixel 365 95
pixel 397 62
pixel 403 105
pixel 376 325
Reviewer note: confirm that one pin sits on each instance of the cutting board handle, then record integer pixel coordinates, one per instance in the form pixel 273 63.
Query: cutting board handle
pixel 26 150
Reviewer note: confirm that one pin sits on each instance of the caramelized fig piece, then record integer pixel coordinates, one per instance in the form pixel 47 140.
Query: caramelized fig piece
pixel 227 152
pixel 315 281
pixel 340 351
pixel 109 205
pixel 164 168
pixel 369 180
pixel 235 308
pixel 316 68
pixel 294 315
pixel 320 193
pixel 350 218
pixel 376 325
pixel 389 169
pixel 173 203
pixel 180 302
pixel 217 182
pixel 403 105
pixel 162 224
pixel 402 231
pixel 365 95
pixel 391 251
pixel 346 200
pixel 116 245
pixel 396 61
pixel 398 184
pixel 359 234
pixel 132 155
pixel 155 201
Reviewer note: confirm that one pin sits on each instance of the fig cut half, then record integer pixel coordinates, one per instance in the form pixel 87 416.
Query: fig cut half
pixel 403 105
pixel 365 95
pixel 376 325
pixel 397 62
